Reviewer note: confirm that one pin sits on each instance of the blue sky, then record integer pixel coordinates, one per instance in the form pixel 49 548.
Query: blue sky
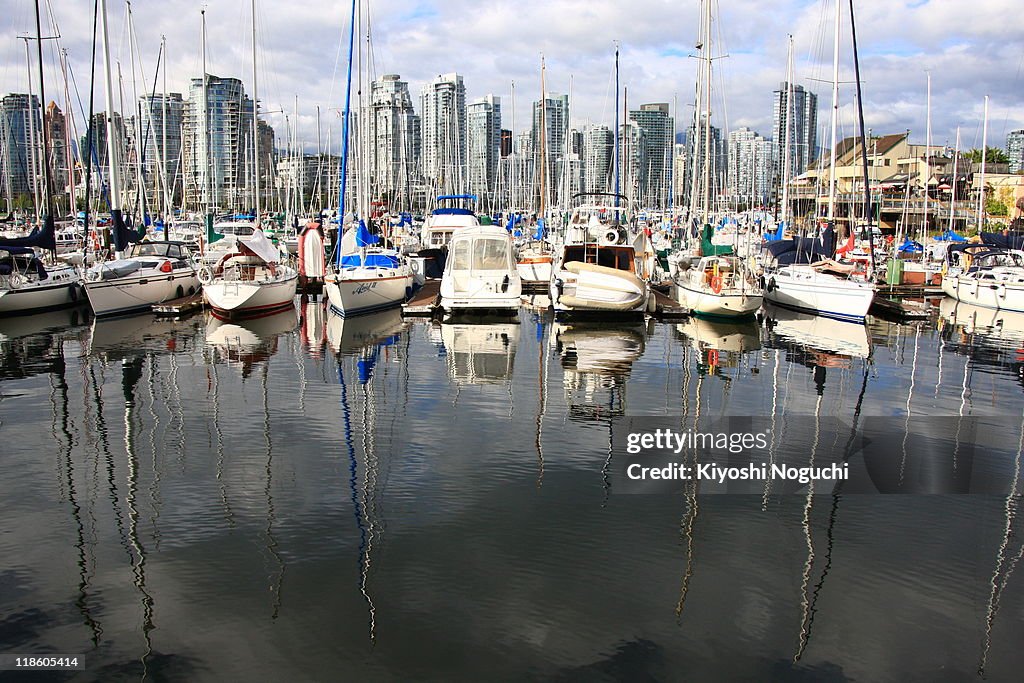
pixel 970 48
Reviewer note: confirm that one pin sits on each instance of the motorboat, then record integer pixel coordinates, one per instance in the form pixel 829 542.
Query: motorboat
pixel 480 273
pixel 152 273
pixel 986 276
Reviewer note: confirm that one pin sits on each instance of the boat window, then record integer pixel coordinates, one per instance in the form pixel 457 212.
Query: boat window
pixel 490 254
pixel 460 255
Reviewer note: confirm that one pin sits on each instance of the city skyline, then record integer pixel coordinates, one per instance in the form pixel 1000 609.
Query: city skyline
pixel 971 51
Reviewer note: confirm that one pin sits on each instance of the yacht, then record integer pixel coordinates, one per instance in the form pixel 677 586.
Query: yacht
pixel 249 280
pixel 985 276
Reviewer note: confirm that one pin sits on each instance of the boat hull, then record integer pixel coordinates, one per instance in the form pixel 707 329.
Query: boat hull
pixel 1006 296
pixel 820 294
pixel 589 288
pixel 60 290
pixel 725 304
pixel 136 293
pixel 239 298
pixel 366 292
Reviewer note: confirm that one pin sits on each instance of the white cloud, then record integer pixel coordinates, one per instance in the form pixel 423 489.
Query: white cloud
pixel 972 49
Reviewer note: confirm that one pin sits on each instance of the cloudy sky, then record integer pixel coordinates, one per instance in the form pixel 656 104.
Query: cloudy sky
pixel 971 49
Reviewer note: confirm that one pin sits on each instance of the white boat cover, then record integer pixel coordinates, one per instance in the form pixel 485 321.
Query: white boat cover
pixel 261 246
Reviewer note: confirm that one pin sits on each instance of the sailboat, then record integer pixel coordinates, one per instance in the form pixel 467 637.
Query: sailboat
pixel 27 285
pixel 366 277
pixel 250 279
pixel 800 273
pixel 721 285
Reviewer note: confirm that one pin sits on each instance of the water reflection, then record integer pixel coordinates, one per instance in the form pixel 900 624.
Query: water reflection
pixel 31 344
pixel 596 363
pixel 721 344
pixel 480 353
pixel 991 339
pixel 246 342
pixel 351 334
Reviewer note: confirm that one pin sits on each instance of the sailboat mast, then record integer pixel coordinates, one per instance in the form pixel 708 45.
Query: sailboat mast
pixel 617 132
pixel 863 142
pixel 344 139
pixel 47 195
pixel 205 164
pixel 113 157
pixel 787 145
pixel 927 155
pixel 835 119
pixel 255 121
pixel 706 198
pixel 33 151
pixel 984 156
pixel 952 196
pixel 543 140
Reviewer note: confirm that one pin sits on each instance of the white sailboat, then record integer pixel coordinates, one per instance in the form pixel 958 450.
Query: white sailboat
pixel 252 280
pixel 989 276
pixel 365 276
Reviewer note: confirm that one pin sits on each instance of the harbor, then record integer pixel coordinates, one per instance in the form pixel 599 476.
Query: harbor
pixel 334 345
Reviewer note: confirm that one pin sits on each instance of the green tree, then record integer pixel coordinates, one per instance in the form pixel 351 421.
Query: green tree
pixel 993 155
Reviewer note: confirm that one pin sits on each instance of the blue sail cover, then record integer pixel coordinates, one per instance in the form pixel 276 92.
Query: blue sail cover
pixel 1011 240
pixel 538 234
pixel 803 249
pixel 950 236
pixel 44 238
pixel 375 260
pixel 364 237
pixel 909 246
pixel 512 222
pixel 123 235
pixel 777 234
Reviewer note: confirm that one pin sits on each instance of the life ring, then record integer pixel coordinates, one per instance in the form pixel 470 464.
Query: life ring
pixel 205 275
pixel 713 357
pixel 716 284
pixel 15 280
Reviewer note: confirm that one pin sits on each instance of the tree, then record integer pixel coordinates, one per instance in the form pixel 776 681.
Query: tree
pixel 993 155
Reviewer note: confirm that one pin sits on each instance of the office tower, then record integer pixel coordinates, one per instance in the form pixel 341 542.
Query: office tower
pixel 556 128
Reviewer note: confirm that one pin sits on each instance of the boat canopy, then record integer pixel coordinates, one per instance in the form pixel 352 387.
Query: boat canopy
pixel 950 236
pixel 803 249
pixel 1008 240
pixel 42 238
pixel 258 244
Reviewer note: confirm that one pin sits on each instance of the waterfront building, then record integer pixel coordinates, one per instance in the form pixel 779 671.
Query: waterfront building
pixel 394 155
pixel 802 129
pixel 633 153
pixel 483 117
pixel 443 111
pixel 218 166
pixel 751 165
pixel 556 130
pixel 161 122
pixel 57 154
pixel 1015 150
pixel 19 165
pixel 657 128
pixel 598 150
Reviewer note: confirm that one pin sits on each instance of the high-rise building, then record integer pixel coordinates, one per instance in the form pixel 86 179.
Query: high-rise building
pixel 20 166
pixel 395 131
pixel 483 123
pixel 598 149
pixel 94 150
pixel 57 154
pixel 217 146
pixel 633 154
pixel 161 122
pixel 1015 150
pixel 803 144
pixel 443 111
pixel 704 143
pixel 556 130
pixel 751 164
pixel 653 176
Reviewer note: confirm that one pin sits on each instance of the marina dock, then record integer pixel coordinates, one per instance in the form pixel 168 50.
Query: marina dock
pixel 181 306
pixel 425 300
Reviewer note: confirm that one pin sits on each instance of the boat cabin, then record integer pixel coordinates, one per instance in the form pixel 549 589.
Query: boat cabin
pixel 617 257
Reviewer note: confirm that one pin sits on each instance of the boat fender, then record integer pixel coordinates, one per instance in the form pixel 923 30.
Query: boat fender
pixel 205 275
pixel 1001 291
pixel 179 292
pixel 504 284
pixel 15 280
pixel 772 286
pixel 760 282
pixel 73 291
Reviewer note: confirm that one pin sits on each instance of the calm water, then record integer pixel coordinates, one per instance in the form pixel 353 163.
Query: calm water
pixel 303 497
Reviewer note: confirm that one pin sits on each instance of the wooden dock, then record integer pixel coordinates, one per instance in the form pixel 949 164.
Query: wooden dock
pixel 668 308
pixel 182 306
pixel 425 300
pixel 902 310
